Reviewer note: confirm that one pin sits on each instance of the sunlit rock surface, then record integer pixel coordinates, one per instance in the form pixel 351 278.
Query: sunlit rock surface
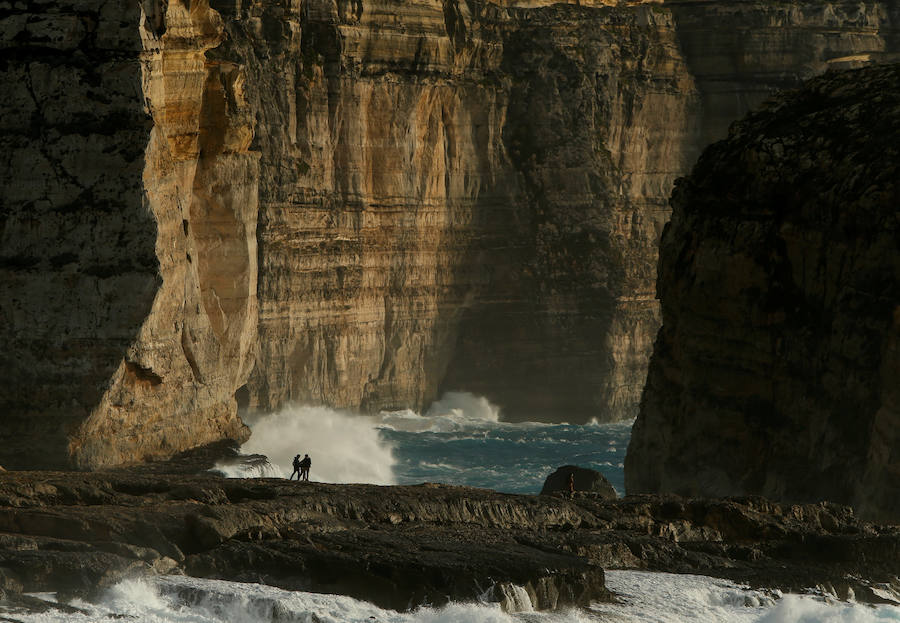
pixel 215 206
pixel 775 371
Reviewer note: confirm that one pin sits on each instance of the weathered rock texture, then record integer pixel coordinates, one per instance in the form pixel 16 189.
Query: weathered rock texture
pixel 442 205
pixel 399 547
pixel 209 206
pixel 585 481
pixel 776 369
pixel 129 234
pixel 78 265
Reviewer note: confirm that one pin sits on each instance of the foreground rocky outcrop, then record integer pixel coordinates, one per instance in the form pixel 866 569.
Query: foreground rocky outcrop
pixel 402 546
pixel 213 205
pixel 775 371
pixel 580 479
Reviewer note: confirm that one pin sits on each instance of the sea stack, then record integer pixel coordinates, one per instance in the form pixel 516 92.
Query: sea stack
pixel 776 369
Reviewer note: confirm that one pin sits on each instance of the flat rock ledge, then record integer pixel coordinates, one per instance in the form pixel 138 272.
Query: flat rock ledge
pixel 402 546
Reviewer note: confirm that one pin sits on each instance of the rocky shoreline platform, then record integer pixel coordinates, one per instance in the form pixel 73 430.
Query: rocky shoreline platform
pixel 75 533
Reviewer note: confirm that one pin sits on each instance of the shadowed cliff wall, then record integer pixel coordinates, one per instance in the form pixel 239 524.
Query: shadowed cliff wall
pixel 128 234
pixel 78 265
pixel 461 197
pixel 775 371
pixel 208 208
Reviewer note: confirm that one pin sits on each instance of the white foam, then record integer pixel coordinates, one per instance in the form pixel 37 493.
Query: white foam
pixel 244 466
pixel 671 598
pixel 466 406
pixel 344 447
pixel 808 609
pixel 178 599
pixel 644 598
pixel 455 411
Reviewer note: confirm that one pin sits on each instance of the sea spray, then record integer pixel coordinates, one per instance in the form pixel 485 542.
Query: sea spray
pixel 465 406
pixel 643 598
pixel 344 448
pixel 807 609
pixel 455 411
pixel 460 440
pixel 674 598
pixel 247 466
pixel 179 599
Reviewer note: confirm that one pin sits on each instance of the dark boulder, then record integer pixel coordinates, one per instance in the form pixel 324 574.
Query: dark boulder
pixel 586 480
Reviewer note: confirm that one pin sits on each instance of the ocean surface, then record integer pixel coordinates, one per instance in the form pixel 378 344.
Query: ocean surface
pixel 460 440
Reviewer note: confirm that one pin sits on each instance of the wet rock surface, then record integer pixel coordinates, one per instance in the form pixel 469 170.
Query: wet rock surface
pixel 402 546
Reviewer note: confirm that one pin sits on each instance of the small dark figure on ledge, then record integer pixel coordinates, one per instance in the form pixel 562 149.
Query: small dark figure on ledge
pixel 305 464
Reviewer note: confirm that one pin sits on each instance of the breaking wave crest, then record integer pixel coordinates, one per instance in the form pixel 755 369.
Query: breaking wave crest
pixel 344 448
pixel 459 440
pixel 455 411
pixel 643 597
pixel 177 599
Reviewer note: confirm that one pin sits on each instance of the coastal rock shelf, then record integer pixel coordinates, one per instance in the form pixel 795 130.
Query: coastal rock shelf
pixel 402 546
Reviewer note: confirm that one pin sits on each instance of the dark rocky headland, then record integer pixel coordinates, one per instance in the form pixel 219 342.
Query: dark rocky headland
pixel 777 368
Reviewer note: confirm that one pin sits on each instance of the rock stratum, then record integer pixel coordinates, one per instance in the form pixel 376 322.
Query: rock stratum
pixel 776 369
pixel 399 547
pixel 217 206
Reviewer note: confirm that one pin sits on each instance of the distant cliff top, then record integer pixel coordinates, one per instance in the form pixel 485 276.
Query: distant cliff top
pixel 775 371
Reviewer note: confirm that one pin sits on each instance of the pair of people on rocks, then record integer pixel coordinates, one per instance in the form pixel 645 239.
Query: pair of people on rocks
pixel 301 468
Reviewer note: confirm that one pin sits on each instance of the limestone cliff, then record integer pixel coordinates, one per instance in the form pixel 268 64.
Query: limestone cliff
pixel 477 193
pixel 128 234
pixel 775 371
pixel 215 205
pixel 174 387
pixel 442 202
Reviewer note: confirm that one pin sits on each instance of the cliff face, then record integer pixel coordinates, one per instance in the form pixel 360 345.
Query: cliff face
pixel 129 248
pixel 477 192
pixel 741 52
pixel 775 371
pixel 78 266
pixel 209 206
pixel 442 203
pixel 175 386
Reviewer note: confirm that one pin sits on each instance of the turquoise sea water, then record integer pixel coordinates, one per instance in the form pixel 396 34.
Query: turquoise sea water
pixel 513 458
pixel 461 440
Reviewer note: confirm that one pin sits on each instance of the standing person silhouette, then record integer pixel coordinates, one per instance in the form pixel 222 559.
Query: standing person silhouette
pixel 296 468
pixel 305 464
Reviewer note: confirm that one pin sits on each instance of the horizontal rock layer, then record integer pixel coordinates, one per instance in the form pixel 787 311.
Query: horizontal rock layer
pixel 775 371
pixel 399 547
pixel 215 205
